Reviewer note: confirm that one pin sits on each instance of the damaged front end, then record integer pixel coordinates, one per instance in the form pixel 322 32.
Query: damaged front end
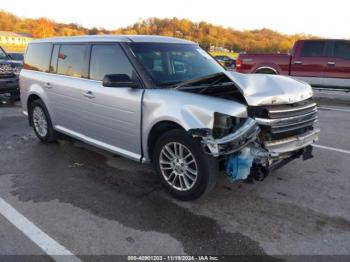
pixel 233 140
pixel 245 133
pixel 254 146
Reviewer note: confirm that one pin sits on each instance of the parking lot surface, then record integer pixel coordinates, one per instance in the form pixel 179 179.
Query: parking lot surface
pixel 90 202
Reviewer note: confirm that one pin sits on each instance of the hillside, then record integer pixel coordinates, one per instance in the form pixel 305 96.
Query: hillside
pixel 206 34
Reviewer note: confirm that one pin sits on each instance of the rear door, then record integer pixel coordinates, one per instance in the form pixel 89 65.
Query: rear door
pixel 113 115
pixel 35 73
pixel 69 65
pixel 337 72
pixel 310 60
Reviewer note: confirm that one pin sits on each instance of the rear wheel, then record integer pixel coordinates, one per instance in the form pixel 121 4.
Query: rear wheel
pixel 41 122
pixel 184 169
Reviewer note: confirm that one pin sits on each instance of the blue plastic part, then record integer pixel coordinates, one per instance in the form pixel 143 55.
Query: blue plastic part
pixel 238 164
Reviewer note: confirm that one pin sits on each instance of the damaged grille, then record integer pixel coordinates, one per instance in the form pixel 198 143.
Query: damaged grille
pixel 283 121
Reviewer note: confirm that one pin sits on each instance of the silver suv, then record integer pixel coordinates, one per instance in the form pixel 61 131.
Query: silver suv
pixel 166 101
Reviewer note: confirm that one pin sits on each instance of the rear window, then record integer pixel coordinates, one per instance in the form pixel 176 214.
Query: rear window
pixel 73 60
pixel 313 48
pixel 38 57
pixel 342 50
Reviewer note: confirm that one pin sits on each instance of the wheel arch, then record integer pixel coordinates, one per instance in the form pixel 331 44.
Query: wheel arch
pixel 156 130
pixel 266 70
pixel 30 100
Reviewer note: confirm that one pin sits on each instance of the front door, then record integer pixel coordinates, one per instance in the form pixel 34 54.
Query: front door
pixel 113 115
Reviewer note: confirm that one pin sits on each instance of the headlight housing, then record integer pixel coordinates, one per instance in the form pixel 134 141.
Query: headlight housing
pixel 224 124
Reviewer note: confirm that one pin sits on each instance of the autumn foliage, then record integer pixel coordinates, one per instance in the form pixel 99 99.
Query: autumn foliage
pixel 206 34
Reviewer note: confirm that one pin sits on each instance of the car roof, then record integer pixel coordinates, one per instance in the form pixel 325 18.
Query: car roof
pixel 115 38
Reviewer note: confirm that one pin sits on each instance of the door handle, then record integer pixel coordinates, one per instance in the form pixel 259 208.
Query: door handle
pixel 331 63
pixel 298 62
pixel 48 85
pixel 89 94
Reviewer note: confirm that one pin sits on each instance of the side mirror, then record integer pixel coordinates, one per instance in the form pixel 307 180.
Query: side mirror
pixel 118 80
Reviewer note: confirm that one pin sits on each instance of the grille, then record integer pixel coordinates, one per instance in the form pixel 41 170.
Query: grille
pixel 2 76
pixel 285 120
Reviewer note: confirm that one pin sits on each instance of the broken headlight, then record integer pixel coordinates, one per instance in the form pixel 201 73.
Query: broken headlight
pixel 224 124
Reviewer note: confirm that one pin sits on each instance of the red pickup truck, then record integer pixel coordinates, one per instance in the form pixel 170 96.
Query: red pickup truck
pixel 321 63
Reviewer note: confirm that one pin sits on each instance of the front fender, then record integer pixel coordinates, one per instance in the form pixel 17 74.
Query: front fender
pixel 188 110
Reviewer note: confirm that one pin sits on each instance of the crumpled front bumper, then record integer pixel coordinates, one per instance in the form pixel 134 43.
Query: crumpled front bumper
pixel 286 145
pixel 233 142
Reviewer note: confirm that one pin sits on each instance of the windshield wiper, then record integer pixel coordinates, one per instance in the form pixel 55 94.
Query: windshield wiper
pixel 169 83
pixel 216 84
pixel 189 83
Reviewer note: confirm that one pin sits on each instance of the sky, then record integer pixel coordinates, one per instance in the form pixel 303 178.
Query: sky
pixel 325 18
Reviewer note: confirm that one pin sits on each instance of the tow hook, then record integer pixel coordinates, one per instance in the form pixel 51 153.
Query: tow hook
pixel 307 153
pixel 258 172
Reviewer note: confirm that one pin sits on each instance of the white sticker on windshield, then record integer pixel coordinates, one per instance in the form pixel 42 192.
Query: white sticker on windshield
pixel 205 54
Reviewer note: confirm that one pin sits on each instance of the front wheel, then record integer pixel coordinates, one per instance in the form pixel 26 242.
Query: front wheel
pixel 183 167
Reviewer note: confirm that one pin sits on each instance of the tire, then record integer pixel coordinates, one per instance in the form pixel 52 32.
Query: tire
pixel 187 186
pixel 14 96
pixel 45 133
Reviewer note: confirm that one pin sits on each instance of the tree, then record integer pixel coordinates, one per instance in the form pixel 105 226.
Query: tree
pixel 203 33
pixel 43 28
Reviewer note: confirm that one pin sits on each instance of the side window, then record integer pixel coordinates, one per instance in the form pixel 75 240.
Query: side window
pixel 38 57
pixel 73 60
pixel 54 57
pixel 342 50
pixel 313 48
pixel 108 59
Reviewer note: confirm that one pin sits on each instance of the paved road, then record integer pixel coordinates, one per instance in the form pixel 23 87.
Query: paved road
pixel 93 203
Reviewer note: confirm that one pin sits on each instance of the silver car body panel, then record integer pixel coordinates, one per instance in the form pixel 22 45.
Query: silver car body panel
pixel 110 121
pixel 261 89
pixel 115 39
pixel 188 110
pixel 287 145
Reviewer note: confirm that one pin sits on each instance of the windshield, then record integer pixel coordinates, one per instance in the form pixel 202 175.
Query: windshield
pixel 169 64
pixel 2 54
pixel 16 56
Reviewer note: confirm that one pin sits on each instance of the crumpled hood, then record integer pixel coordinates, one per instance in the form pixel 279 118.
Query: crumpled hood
pixel 260 89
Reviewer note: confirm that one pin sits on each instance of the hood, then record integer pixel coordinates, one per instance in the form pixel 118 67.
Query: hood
pixel 5 62
pixel 11 63
pixel 16 63
pixel 260 89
